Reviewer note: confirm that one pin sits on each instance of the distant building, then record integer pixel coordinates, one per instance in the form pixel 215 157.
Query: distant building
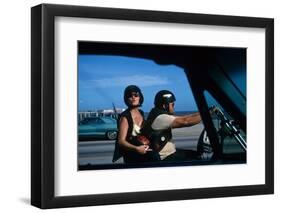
pixel 110 111
pixel 99 113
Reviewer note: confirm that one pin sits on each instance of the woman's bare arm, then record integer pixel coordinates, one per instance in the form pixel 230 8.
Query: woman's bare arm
pixel 123 129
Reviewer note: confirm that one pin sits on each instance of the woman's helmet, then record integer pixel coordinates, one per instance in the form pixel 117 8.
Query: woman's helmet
pixel 164 97
pixel 132 89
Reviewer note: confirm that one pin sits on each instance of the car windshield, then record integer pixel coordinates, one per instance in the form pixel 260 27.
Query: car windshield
pixel 231 141
pixel 230 88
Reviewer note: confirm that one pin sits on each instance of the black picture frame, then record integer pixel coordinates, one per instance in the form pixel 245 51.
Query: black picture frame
pixel 43 102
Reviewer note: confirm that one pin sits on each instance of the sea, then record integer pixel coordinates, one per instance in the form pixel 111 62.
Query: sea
pixel 177 113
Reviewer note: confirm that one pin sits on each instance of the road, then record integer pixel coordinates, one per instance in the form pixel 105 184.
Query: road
pixel 101 152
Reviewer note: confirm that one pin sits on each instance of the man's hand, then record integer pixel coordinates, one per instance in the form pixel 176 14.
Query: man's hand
pixel 214 110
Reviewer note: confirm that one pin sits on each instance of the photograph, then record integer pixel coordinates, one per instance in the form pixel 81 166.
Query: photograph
pixel 152 105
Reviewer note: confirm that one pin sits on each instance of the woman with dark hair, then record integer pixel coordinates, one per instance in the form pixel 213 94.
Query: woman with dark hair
pixel 135 149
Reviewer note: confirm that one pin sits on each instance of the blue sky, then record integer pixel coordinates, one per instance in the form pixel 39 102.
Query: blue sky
pixel 102 80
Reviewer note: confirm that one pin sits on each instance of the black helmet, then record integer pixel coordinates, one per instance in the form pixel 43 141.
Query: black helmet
pixel 129 90
pixel 164 97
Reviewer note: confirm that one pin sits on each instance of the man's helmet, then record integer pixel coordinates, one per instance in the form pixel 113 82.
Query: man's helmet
pixel 164 97
pixel 132 89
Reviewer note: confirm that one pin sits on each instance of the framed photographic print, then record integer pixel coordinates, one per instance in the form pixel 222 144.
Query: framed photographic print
pixel 139 106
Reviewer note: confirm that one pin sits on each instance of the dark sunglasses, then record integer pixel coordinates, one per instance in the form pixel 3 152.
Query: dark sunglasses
pixel 133 95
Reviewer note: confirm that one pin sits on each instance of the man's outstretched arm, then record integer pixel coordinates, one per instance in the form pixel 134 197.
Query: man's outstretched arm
pixel 186 120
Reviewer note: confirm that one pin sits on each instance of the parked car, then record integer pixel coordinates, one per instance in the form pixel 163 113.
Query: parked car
pixel 98 127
